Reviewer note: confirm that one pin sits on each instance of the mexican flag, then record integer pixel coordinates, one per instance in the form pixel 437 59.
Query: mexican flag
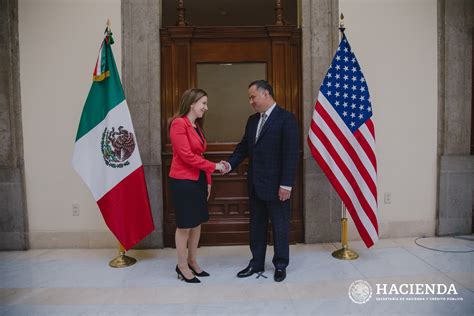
pixel 106 154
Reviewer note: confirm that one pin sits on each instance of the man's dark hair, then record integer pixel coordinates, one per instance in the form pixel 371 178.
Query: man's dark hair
pixel 262 84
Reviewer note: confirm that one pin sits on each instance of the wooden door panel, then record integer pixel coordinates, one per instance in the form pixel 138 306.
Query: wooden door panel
pixel 182 50
pixel 226 52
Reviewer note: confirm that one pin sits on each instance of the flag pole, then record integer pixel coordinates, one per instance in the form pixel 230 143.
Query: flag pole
pixel 344 253
pixel 122 261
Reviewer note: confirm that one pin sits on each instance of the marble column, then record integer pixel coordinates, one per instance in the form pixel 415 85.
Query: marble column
pixel 322 206
pixel 456 165
pixel 141 81
pixel 13 216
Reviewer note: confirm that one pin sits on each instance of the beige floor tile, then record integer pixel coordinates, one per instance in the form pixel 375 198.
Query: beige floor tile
pixel 79 281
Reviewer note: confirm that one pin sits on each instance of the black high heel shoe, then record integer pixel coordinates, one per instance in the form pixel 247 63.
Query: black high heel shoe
pixel 182 277
pixel 200 274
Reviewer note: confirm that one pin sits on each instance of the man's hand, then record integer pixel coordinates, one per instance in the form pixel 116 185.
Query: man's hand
pixel 284 194
pixel 227 167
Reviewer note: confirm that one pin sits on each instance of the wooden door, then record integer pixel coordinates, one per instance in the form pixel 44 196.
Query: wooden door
pixel 183 49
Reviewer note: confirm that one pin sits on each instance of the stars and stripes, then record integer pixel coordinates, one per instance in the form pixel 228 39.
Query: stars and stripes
pixel 342 140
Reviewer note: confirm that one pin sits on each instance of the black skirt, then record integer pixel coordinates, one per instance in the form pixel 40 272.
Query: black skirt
pixel 190 201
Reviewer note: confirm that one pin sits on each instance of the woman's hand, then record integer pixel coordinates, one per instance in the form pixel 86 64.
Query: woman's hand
pixel 208 191
pixel 223 167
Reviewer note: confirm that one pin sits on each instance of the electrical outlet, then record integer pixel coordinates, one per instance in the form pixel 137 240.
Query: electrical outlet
pixel 75 209
pixel 387 198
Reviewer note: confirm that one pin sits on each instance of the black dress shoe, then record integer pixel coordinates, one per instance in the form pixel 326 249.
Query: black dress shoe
pixel 182 277
pixel 280 275
pixel 248 272
pixel 200 274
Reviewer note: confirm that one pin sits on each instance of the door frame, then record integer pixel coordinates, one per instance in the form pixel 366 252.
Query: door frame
pixel 182 49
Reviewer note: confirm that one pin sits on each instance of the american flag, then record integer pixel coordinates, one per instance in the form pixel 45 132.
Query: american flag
pixel 342 140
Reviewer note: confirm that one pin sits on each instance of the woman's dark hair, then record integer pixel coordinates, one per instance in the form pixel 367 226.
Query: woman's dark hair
pixel 188 98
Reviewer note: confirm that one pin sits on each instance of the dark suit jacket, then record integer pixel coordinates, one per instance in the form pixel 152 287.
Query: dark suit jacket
pixel 273 160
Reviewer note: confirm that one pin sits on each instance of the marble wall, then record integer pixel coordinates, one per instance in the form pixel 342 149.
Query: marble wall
pixel 13 215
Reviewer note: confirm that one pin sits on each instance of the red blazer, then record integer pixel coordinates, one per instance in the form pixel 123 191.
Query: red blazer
pixel 188 151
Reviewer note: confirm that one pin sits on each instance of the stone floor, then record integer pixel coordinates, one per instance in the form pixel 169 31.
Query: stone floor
pixel 79 281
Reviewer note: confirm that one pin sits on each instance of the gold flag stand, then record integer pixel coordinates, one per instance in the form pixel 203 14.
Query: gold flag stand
pixel 122 261
pixel 344 253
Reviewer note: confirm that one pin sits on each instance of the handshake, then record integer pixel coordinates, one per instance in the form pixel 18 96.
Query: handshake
pixel 223 167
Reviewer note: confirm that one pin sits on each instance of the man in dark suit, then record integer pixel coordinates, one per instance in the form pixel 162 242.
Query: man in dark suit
pixel 271 143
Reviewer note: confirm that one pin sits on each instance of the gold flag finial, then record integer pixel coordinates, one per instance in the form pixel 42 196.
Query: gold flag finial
pixel 341 21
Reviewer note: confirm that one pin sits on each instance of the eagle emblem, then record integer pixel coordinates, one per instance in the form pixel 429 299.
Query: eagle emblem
pixel 117 146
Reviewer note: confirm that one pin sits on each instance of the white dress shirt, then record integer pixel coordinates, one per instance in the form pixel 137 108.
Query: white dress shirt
pixel 268 112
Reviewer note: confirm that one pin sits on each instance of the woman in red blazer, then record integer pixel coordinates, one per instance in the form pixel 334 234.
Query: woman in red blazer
pixel 190 180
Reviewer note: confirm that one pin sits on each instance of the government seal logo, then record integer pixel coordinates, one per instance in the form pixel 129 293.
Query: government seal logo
pixel 360 292
pixel 117 146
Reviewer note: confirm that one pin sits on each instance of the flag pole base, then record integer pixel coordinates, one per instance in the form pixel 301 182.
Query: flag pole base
pixel 122 261
pixel 345 254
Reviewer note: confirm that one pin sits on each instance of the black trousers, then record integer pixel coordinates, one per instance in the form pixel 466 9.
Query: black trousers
pixel 279 214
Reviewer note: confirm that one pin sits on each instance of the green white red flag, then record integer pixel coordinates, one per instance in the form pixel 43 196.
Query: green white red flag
pixel 106 154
